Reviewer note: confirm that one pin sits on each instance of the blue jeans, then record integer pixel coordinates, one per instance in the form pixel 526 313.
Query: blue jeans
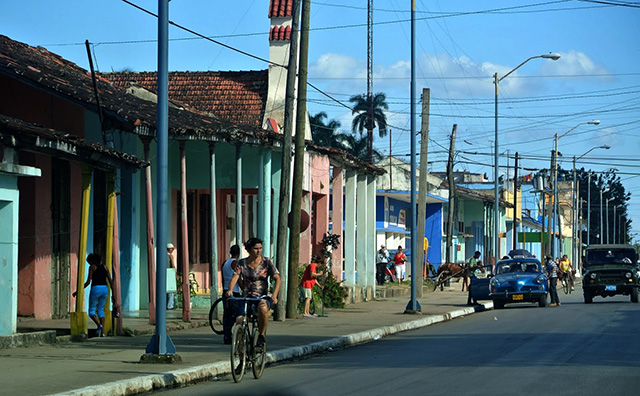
pixel 97 298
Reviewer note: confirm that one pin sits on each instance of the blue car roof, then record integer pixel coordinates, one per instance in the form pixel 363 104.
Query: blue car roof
pixel 521 260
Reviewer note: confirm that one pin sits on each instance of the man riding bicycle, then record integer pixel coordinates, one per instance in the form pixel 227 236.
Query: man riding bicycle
pixel 255 271
pixel 566 270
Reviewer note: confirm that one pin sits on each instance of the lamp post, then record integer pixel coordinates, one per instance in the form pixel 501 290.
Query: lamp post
pixel 496 208
pixel 554 178
pixel 575 252
pixel 601 224
pixel 614 223
pixel 607 210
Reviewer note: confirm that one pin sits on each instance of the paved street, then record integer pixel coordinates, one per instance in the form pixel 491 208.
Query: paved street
pixel 574 349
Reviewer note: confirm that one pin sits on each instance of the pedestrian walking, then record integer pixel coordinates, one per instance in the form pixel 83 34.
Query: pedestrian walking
pixel 98 277
pixel 552 274
pixel 399 260
pixel 228 269
pixel 382 259
pixel 172 258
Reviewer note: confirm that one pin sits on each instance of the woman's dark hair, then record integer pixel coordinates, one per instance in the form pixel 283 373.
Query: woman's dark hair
pixel 94 259
pixel 251 243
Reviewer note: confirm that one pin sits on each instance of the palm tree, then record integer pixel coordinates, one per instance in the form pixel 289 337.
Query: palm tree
pixel 328 135
pixel 323 134
pixel 370 113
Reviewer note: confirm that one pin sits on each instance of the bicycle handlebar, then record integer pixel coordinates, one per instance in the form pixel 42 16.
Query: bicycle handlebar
pixel 249 299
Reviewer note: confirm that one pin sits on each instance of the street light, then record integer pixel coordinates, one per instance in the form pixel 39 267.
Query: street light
pixel 589 205
pixel 607 209
pixel 601 225
pixel 614 223
pixel 554 178
pixel 496 211
pixel 575 252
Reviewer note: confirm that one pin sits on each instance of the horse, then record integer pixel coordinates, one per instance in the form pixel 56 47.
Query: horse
pixel 452 270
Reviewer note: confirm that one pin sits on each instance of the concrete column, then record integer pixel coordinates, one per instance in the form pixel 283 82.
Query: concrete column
pixel 336 218
pixel 239 222
pixel 371 231
pixel 213 221
pixel 362 221
pixel 266 204
pixel 9 200
pixel 350 232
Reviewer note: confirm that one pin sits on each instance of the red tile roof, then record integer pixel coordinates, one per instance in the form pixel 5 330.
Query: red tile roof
pixel 280 8
pixel 236 96
pixel 45 70
pixel 280 33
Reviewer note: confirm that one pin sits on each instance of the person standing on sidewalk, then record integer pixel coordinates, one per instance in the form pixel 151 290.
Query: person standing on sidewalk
pixel 228 269
pixel 97 278
pixel 172 258
pixel 309 280
pixel 399 260
pixel 552 274
pixel 382 259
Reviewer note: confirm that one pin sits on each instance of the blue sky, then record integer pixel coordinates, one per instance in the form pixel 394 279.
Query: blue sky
pixel 459 46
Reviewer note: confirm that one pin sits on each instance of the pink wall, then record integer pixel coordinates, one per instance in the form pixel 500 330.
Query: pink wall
pixel 34 251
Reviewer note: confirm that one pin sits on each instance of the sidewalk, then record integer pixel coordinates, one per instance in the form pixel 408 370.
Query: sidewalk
pixel 109 366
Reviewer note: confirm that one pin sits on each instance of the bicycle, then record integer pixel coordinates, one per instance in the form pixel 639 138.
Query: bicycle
pixel 244 338
pixel 566 282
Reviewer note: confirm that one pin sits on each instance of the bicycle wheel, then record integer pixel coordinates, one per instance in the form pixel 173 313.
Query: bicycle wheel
pixel 259 357
pixel 565 285
pixel 238 352
pixel 312 304
pixel 212 317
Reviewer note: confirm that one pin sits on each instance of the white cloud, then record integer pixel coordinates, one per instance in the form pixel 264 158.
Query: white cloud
pixel 573 63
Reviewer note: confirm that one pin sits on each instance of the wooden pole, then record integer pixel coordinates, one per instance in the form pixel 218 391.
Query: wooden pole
pixel 298 165
pixel 422 189
pixel 285 173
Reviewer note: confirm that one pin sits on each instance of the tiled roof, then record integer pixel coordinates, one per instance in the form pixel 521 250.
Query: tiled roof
pixel 235 96
pixel 34 138
pixel 280 8
pixel 45 70
pixel 280 33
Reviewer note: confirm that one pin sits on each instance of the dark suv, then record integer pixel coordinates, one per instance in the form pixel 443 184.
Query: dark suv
pixel 610 270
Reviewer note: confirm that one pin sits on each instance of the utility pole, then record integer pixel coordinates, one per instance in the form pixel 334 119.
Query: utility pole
pixel 550 230
pixel 452 194
pixel 285 174
pixel 515 203
pixel 298 165
pixel 422 187
pixel 370 80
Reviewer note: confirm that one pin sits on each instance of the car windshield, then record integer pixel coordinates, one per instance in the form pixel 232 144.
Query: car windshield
pixel 516 266
pixel 611 256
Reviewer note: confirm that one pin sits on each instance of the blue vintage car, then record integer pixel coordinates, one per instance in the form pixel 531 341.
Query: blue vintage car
pixel 518 280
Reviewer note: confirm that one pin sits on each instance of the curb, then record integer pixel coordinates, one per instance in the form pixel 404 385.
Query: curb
pixel 148 383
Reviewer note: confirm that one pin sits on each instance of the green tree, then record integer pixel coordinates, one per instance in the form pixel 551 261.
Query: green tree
pixel 370 114
pixel 322 133
pixel 617 196
pixel 326 133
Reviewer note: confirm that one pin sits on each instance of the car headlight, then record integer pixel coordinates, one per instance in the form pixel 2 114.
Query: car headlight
pixel 593 275
pixel 627 275
pixel 539 280
pixel 494 282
